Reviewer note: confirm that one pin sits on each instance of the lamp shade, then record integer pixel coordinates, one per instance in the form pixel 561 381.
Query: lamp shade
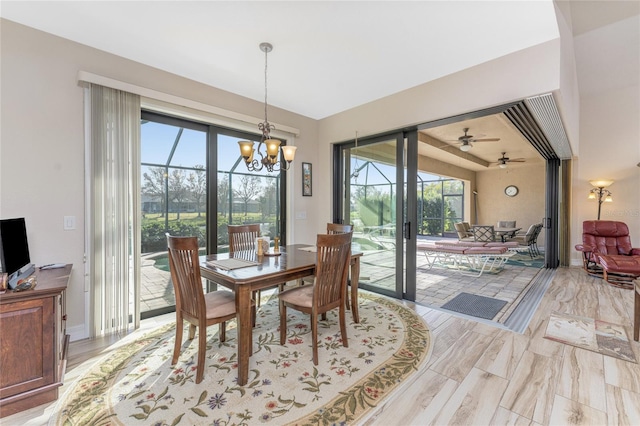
pixel 289 152
pixel 465 147
pixel 272 147
pixel 246 149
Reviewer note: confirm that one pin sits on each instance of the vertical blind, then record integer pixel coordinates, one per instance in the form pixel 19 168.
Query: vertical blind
pixel 114 242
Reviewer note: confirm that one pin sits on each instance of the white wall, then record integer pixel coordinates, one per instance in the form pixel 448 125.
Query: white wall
pixel 610 149
pixel 609 126
pixel 42 145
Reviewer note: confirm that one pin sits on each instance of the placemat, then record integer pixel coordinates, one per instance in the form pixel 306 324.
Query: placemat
pixel 230 264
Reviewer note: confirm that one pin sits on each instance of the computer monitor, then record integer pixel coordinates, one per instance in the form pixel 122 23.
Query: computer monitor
pixel 14 248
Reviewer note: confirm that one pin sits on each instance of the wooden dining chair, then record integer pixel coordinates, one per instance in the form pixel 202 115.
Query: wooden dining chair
pixel 338 228
pixel 192 304
pixel 332 228
pixel 328 291
pixel 243 237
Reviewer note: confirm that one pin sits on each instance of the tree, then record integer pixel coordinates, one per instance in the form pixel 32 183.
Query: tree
pixel 223 195
pixel 198 186
pixel 249 187
pixel 154 184
pixel 268 199
pixel 178 191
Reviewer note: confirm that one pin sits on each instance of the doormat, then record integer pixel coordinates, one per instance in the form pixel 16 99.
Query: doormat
pixel 591 334
pixel 475 306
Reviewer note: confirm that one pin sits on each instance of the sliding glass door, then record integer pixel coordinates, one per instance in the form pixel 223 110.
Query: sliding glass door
pixel 372 197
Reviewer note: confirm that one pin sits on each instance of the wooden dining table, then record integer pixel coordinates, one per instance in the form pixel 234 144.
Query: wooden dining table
pixel 261 272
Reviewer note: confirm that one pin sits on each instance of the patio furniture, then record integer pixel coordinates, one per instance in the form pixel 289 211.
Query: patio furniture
pixel 478 259
pixel 506 229
pixel 463 229
pixel 530 239
pixel 484 233
pixel 607 252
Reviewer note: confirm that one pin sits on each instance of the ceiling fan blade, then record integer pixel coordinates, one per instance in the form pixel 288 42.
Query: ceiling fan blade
pixel 517 160
pixel 487 140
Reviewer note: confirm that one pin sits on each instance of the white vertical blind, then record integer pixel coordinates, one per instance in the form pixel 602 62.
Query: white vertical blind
pixel 114 229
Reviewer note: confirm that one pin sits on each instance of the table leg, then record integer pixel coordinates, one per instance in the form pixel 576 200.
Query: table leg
pixel 355 277
pixel 245 332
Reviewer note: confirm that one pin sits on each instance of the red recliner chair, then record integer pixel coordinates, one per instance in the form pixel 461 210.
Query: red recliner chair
pixel 607 252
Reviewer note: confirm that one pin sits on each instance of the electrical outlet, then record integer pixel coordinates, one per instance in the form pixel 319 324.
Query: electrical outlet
pixel 69 223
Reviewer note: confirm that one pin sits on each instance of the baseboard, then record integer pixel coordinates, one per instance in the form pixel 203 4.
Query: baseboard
pixel 76 333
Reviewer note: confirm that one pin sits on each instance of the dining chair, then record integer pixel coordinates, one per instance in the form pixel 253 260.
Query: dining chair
pixel 338 228
pixel 243 238
pixel 327 292
pixel 332 228
pixel 192 304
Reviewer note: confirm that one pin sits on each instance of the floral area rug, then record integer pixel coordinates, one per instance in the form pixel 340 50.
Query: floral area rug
pixel 136 384
pixel 591 334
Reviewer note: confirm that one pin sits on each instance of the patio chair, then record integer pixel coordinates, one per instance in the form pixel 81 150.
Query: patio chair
pixel 507 224
pixel 328 291
pixel 484 233
pixel 192 305
pixel 530 239
pixel 463 229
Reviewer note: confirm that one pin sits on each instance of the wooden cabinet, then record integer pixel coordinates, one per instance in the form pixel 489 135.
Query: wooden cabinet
pixel 33 342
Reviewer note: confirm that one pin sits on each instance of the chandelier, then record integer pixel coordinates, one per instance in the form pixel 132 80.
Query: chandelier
pixel 270 153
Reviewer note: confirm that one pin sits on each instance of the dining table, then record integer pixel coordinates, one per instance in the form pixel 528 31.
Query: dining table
pixel 244 272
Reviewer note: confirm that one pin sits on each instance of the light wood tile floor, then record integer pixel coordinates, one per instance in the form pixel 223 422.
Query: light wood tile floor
pixel 481 375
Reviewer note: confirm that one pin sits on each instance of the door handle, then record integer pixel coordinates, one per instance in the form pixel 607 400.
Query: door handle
pixel 406 230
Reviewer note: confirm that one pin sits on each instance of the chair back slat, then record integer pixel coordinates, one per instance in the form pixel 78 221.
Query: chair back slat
pixel 185 275
pixel 333 256
pixel 338 228
pixel 243 237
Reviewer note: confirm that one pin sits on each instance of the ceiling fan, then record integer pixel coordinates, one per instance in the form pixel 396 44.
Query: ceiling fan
pixel 466 139
pixel 502 161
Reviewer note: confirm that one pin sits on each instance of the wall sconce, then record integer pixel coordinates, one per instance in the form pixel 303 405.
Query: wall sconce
pixel 598 192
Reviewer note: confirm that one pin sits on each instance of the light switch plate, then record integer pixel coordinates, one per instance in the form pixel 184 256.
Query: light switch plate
pixel 69 223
